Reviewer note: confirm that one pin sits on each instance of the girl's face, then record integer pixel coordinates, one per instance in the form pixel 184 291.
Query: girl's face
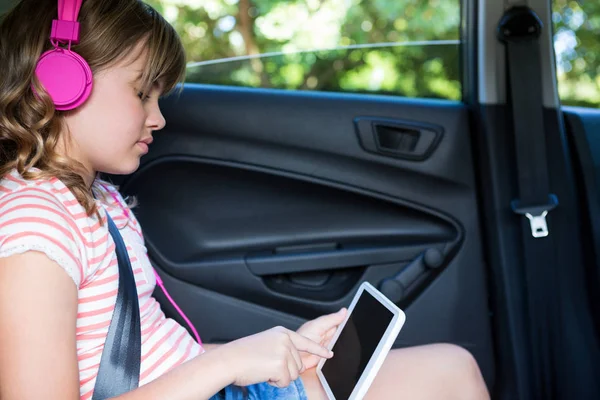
pixel 113 128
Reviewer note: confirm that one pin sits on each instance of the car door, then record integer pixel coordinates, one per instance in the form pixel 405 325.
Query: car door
pixel 267 201
pixel 294 167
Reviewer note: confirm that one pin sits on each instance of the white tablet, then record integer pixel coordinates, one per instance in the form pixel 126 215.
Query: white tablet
pixel 360 344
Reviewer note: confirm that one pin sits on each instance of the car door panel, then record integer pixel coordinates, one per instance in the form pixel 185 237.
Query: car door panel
pixel 321 239
pixel 265 208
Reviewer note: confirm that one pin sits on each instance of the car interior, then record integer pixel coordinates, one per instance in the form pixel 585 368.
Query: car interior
pixel 276 204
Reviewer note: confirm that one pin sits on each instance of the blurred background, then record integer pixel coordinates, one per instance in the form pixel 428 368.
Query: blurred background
pixel 405 47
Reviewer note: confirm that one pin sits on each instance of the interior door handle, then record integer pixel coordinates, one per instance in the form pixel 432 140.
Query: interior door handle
pixel 396 138
pixel 271 263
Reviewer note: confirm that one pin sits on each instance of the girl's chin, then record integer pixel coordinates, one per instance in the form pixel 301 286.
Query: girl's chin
pixel 125 167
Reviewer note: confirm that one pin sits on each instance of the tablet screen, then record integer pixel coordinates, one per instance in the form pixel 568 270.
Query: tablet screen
pixel 356 344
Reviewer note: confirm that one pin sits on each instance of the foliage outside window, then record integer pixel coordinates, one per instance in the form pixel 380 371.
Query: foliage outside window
pixel 404 48
pixel 577 47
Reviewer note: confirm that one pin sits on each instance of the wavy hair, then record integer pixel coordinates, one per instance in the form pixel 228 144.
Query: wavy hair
pixel 30 126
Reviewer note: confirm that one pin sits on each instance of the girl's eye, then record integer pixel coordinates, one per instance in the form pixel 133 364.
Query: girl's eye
pixel 142 96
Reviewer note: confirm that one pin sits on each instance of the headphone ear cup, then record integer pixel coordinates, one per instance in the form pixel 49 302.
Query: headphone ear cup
pixel 66 76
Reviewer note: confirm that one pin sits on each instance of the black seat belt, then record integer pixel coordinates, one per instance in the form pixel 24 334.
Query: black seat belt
pixel 119 370
pixel 520 29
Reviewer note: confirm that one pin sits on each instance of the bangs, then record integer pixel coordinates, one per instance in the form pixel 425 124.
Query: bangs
pixel 165 62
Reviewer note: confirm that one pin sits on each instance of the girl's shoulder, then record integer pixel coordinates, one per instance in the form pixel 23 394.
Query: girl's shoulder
pixel 43 215
pixel 16 189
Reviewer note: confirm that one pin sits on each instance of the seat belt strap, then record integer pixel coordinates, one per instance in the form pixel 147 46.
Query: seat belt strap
pixel 520 29
pixel 119 370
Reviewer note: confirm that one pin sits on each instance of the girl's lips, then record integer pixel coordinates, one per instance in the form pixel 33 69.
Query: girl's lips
pixel 143 146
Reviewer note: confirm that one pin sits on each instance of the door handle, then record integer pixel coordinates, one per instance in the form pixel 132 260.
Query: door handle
pixel 396 138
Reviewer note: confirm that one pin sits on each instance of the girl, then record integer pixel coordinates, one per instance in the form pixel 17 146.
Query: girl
pixel 58 267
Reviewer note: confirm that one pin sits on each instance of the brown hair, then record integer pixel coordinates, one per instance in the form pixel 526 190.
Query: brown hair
pixel 30 127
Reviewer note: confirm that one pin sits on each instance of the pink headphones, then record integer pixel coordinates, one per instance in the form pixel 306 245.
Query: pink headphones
pixel 65 75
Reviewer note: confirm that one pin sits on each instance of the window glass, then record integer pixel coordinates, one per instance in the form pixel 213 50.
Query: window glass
pixel 405 47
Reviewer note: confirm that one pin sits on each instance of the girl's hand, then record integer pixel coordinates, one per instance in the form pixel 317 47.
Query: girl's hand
pixel 320 330
pixel 271 356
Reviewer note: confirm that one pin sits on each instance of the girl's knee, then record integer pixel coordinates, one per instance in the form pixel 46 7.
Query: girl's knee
pixel 465 378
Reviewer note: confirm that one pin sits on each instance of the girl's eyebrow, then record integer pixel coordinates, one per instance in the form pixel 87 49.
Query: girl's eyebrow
pixel 155 85
pixel 136 80
pixel 139 76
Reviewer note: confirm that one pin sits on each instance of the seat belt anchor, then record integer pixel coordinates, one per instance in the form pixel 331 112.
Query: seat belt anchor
pixel 519 24
pixel 536 215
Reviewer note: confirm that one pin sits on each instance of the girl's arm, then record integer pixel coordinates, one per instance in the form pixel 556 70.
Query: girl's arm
pixel 38 355
pixel 38 313
pixel 38 351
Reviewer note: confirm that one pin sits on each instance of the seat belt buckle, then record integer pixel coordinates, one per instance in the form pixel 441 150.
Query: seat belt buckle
pixel 536 215
pixel 539 226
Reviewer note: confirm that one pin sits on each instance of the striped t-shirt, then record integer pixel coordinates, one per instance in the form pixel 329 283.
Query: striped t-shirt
pixel 43 215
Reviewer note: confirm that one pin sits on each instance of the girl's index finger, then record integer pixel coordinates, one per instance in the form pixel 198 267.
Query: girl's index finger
pixel 303 343
pixel 331 320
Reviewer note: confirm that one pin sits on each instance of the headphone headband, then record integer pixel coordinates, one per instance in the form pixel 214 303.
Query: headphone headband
pixel 66 27
pixel 68 10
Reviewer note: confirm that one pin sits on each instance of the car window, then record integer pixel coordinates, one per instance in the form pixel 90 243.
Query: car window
pixel 577 47
pixel 405 48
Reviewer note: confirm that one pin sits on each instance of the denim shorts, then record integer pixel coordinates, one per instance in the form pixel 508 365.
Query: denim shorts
pixel 263 391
